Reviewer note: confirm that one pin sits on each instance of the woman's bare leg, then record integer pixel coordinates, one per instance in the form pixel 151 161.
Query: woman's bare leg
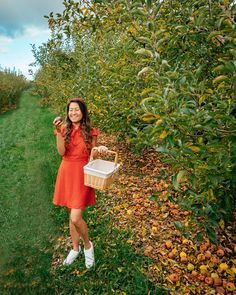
pixel 78 228
pixel 75 236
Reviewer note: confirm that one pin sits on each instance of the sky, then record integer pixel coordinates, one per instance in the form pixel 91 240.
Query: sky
pixel 22 23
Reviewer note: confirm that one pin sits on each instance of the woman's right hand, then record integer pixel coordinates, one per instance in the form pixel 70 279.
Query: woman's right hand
pixel 102 149
pixel 57 123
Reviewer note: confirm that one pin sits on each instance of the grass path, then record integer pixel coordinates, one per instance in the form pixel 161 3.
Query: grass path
pixel 30 224
pixel 26 176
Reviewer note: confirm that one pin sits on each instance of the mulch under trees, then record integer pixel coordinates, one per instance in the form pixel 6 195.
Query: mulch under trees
pixel 142 201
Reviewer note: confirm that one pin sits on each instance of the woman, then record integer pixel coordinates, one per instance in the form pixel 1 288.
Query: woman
pixel 75 141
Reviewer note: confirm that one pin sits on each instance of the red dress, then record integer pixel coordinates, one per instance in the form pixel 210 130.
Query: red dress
pixel 70 190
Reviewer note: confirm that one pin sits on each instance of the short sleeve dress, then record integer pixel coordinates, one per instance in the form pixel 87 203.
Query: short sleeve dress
pixel 70 190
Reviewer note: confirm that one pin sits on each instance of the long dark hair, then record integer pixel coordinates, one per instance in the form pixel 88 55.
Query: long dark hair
pixel 84 123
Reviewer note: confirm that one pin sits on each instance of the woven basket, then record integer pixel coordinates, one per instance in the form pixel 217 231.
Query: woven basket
pixel 100 174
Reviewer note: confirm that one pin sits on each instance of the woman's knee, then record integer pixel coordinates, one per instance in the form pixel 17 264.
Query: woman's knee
pixel 76 217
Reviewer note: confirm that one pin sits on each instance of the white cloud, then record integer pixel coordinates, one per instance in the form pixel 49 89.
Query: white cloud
pixel 4 43
pixel 5 40
pixel 35 32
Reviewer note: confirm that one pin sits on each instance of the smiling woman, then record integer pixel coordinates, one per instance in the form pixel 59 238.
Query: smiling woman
pixel 75 141
pixel 75 113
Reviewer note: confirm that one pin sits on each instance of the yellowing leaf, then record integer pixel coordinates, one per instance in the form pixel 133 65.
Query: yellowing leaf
pixel 129 212
pixel 147 100
pixel 201 99
pixel 203 269
pixel 183 254
pixel 158 122
pixel 194 148
pixel 180 177
pixel 144 231
pixel 79 273
pixel 223 266
pixel 222 224
pixel 220 79
pixel 190 266
pixel 130 242
pixel 163 134
pixel 146 70
pixel 209 91
pixel 146 91
pixel 213 34
pixel 233 269
pixel 143 51
pixel 34 283
pixel 131 30
pixel 149 117
pixel 200 140
pixel 175 251
pixel 84 11
pixel 154 230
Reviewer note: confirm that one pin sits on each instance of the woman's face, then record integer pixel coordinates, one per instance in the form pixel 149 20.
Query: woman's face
pixel 75 113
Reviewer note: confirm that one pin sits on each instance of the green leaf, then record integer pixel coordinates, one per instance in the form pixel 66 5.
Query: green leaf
pixel 149 3
pixel 139 11
pixel 196 206
pixel 177 179
pixel 154 198
pixel 178 225
pixel 213 34
pixel 146 70
pixel 165 150
pixel 145 52
pixel 148 99
pixel 212 235
pixel 233 52
pixel 219 68
pixel 144 40
pixel 199 236
pixel 199 71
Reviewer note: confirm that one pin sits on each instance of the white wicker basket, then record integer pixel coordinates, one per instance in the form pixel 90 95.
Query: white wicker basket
pixel 100 174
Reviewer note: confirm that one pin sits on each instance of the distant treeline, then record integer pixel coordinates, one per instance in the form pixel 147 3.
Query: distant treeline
pixel 11 86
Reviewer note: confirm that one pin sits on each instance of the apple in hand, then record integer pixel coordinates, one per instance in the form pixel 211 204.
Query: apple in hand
pixel 57 121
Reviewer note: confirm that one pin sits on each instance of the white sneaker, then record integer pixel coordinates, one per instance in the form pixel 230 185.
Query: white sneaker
pixel 89 256
pixel 71 257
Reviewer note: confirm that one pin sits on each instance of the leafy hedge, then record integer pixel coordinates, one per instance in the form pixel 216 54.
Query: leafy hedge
pixel 11 87
pixel 162 75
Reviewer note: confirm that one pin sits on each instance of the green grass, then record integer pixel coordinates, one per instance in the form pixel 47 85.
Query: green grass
pixel 28 168
pixel 30 223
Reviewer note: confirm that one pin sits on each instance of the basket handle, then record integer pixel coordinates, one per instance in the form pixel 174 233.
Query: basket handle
pixel 109 151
